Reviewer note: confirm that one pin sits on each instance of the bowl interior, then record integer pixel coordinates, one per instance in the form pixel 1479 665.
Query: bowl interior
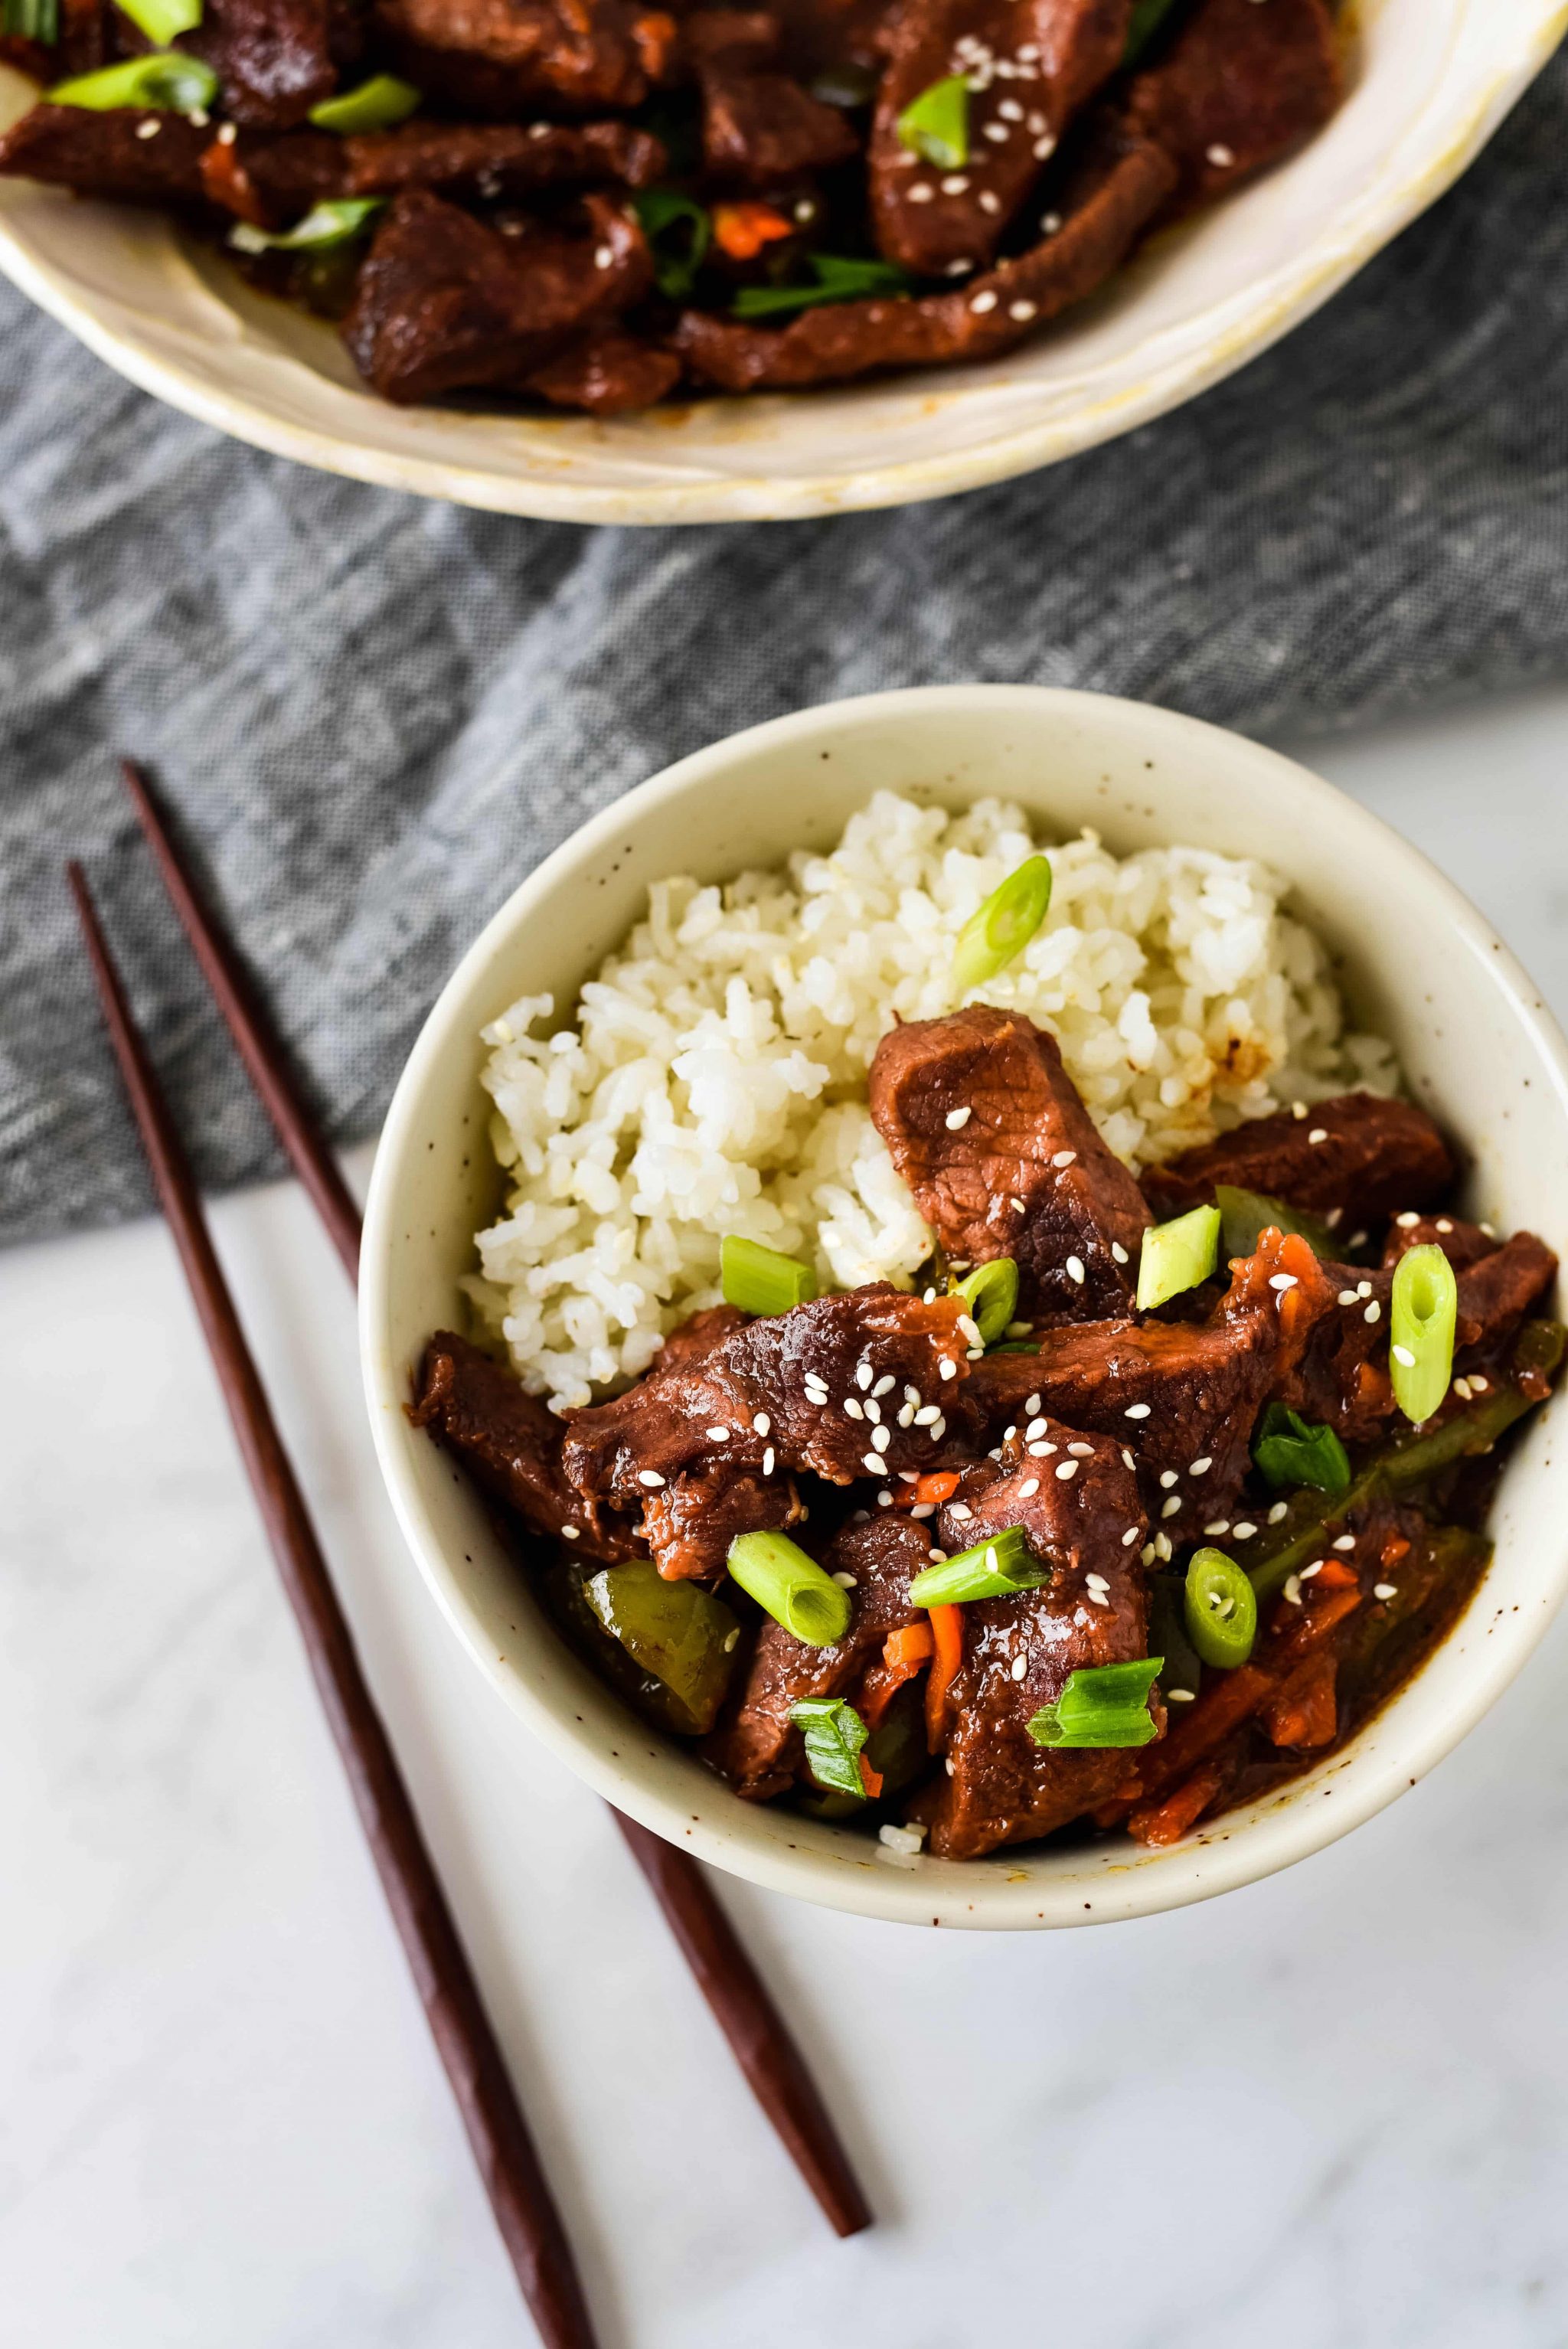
pixel 1417 963
pixel 1430 79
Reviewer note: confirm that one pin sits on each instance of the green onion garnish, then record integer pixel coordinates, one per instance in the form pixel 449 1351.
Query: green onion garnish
pixel 31 20
pixel 1221 1610
pixel 838 280
pixel 165 82
pixel 998 1568
pixel 162 21
pixel 834 1735
pixel 991 938
pixel 1290 1452
pixel 936 123
pixel 990 1293
pixel 679 232
pixel 376 105
pixel 1245 1216
pixel 322 227
pixel 758 1279
pixel 1104 1704
pixel 1178 1256
pixel 1148 17
pixel 790 1587
pixel 1422 1316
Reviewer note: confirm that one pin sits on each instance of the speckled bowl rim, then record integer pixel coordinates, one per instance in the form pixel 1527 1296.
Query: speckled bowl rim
pixel 1290 296
pixel 1244 1845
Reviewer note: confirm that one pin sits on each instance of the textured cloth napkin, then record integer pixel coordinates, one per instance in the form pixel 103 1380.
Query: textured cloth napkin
pixel 374 715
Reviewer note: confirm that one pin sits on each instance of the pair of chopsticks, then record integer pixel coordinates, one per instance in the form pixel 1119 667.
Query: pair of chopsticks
pixel 509 2163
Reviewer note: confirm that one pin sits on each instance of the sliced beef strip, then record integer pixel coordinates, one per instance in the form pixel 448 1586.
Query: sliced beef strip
pixel 758 1387
pixel 446 303
pixel 698 1334
pixel 998 1786
pixel 1356 1160
pixel 759 1749
pixel 510 1444
pixel 1176 1394
pixel 503 56
pixel 106 154
pixel 1120 188
pixel 275 58
pixel 1239 86
pixel 691 1522
pixel 607 373
pixel 1025 1175
pixel 1039 61
pixel 761 128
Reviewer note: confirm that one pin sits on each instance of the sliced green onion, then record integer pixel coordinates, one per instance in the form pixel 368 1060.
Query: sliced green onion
pixel 838 280
pixel 1221 1610
pixel 1148 17
pixel 936 123
pixel 323 225
pixel 165 82
pixel 1178 1256
pixel 375 104
pixel 996 1569
pixel 1103 1705
pixel 1245 1216
pixel 1422 1316
pixel 1290 1452
pixel 834 1735
pixel 990 1294
pixel 758 1279
pixel 1001 929
pixel 679 232
pixel 790 1587
pixel 31 20
pixel 1181 1670
pixel 162 21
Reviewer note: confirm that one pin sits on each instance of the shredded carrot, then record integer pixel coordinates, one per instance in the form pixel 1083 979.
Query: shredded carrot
pixel 904 1653
pixel 1394 1549
pixel 871 1779
pixel 1168 1821
pixel 1334 1575
pixel 742 230
pixel 948 1634
pixel 939 1487
pixel 1305 1711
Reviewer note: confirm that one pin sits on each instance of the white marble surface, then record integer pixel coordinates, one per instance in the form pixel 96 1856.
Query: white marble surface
pixel 1332 2109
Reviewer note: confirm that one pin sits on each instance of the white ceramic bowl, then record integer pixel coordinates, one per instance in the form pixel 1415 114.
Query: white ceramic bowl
pixel 1432 80
pixel 1419 966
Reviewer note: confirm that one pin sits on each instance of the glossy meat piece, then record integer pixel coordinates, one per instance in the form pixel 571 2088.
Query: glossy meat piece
pixel 698 1334
pixel 511 1443
pixel 106 155
pixel 445 303
pixel 758 1386
pixel 1040 60
pixel 1463 1242
pixel 690 1524
pixel 275 58
pixel 272 178
pixel 503 56
pixel 1242 85
pixel 1356 1160
pixel 759 1751
pixel 998 1786
pixel 1123 186
pixel 1025 1175
pixel 1497 1292
pixel 1182 1397
pixel 760 128
pixel 607 373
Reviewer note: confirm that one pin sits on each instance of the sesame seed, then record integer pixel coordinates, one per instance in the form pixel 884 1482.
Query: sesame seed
pixel 150 129
pixel 923 1509
pixel 1044 147
pixel 1168 1477
pixel 227 134
pixel 1349 1296
pixel 853 1407
pixel 1041 1450
pixel 1293 1590
pixel 1031 1404
pixel 1202 1467
pixel 805 210
pixel 1364 1289
pixel 1281 1281
pixel 1488 1230
pixel 604 257
pixel 1478 1384
pixel 767 1461
pixel 198 117
pixel 951 1766
pixel 1299 1109
pixel 1279 1511
pixel 1066 1468
pixel 1408 1220
pixel 1346 1541
pixel 651 1478
pixel 1050 223
pixel 958 269
pixel 908 1476
pixel 1020 1666
pixel 961 1512
pixel 760 1421
pixel 1180 1696
pixel 997 131
pixel 1099 1598
pixel 925 1414
pixel 885 1384
pixel 1374 1312
pixel 1308 1571
pixel 1331 1218
pixel 1444 1224
pixel 947 1367
pixel 1147 1554
pixel 1075 1269
pixel 1096 1582
pixel 1243 1532
pixel 1082 1451
pixel 1127 1459
pixel 884 1499
pixel 1035 1430
pixel 1010 110
pixel 969 1328
pixel 1129 1537
pixel 1162 1549
pixel 1136 1411
pixel 1018 1207
pixel 873 1410
pixel 1385 1590
pixel 1318 1133
pixel 717 1434
pixel 880 1439
pixel 730 1639
pixel 1118 1253
pixel 571 1533
pixel 1064 1158
pixel 1008 1433
pixel 862 1375
pixel 921 192
pixel 1172 1505
pixel 1462 1388
pixel 983 301
pixel 871 1461
pixel 955 184
pixel 1403 1356
pixel 906 1414
pixel 1218 1525
pixel 1029 1488
pixel 845 1581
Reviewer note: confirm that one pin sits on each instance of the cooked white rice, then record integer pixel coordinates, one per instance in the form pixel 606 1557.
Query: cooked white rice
pixel 714 1079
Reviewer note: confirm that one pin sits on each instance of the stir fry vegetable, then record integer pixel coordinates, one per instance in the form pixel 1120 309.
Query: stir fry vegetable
pixel 936 124
pixel 1289 1451
pixel 323 227
pixel 790 1587
pixel 992 1569
pixel 1177 1256
pixel 376 105
pixel 166 82
pixel 1221 1610
pixel 834 1735
pixel 991 1295
pixel 1245 1216
pixel 162 21
pixel 758 1279
pixel 678 1632
pixel 997 933
pixel 1421 1316
pixel 1101 1705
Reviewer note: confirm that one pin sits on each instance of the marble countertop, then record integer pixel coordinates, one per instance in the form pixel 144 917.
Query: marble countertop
pixel 1332 2108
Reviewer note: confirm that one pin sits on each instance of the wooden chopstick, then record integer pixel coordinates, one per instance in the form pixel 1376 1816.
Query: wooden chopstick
pixel 758 2036
pixel 520 2194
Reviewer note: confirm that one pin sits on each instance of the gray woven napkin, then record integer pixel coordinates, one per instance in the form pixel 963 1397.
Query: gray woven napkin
pixel 374 715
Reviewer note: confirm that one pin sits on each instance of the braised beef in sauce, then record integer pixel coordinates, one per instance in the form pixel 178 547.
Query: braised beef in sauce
pixel 877 1433
pixel 599 204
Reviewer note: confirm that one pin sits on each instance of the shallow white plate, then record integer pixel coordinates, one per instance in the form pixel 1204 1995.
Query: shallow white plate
pixel 1433 78
pixel 1421 966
